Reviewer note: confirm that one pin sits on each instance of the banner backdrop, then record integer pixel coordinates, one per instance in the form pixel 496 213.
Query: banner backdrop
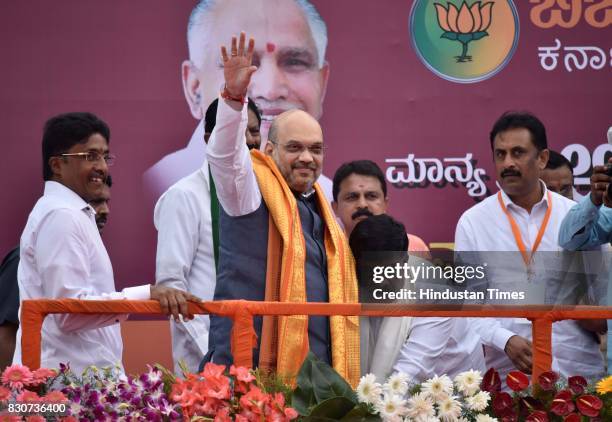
pixel 413 85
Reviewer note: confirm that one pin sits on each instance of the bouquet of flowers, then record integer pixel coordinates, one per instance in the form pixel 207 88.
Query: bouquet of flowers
pixel 240 395
pixel 438 398
pixel 107 394
pixel 19 386
pixel 549 399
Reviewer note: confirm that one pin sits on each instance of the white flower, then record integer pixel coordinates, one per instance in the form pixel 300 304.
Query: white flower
pixel 420 407
pixel 468 382
pixel 485 418
pixel 449 409
pixel 462 419
pixel 368 390
pixel 438 388
pixel 391 408
pixel 397 384
pixel 478 402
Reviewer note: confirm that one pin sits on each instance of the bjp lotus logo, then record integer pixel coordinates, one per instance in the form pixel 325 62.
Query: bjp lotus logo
pixel 464 25
pixel 488 30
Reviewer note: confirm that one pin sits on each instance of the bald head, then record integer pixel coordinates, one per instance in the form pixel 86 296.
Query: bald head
pixel 294 120
pixel 296 145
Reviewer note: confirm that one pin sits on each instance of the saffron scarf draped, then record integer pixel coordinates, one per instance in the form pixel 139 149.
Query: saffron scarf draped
pixel 284 339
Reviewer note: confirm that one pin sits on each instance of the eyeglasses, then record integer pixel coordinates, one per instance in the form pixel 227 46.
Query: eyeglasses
pixel 92 157
pixel 298 148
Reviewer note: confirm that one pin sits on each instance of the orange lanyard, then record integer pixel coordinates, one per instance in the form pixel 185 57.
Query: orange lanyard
pixel 517 233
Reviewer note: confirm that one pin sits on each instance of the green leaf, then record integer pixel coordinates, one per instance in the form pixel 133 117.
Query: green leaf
pixel 360 413
pixel 479 35
pixel 449 36
pixel 317 382
pixel 334 408
pixel 465 38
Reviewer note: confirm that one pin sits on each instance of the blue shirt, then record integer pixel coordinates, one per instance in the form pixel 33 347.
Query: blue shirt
pixel 584 227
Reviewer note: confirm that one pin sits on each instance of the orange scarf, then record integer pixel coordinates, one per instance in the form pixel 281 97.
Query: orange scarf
pixel 284 340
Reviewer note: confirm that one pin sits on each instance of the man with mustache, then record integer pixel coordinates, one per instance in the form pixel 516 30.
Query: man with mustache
pixel 559 175
pixel 293 71
pixel 187 221
pixel 279 240
pixel 523 218
pixel 100 204
pixel 360 191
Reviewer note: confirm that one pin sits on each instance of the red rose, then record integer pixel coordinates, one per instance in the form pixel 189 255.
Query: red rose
pixel 562 404
pixel 547 380
pixel 517 381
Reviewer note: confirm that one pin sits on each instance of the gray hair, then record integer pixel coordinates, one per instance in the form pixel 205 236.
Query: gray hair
pixel 316 24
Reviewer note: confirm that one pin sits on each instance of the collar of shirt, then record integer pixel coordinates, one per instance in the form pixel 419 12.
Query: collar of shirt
pixel 66 195
pixel 511 205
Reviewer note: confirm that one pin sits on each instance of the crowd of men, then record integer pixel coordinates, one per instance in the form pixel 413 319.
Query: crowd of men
pixel 252 221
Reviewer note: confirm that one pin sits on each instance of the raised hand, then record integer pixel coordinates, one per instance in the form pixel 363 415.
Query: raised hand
pixel 237 68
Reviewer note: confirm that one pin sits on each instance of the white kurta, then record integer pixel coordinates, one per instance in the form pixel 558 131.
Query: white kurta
pixel 185 258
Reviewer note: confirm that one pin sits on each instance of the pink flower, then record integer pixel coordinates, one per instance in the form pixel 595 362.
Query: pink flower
pixel 55 397
pixel 69 419
pixel 223 416
pixel 28 396
pixel 16 376
pixel 5 394
pixel 35 418
pixel 242 374
pixel 276 411
pixel 41 375
pixel 254 401
pixel 212 370
pixel 9 417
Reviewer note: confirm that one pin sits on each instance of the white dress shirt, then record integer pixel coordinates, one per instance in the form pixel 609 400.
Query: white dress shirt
pixel 62 256
pixel 439 346
pixel 485 228
pixel 230 162
pixel 185 258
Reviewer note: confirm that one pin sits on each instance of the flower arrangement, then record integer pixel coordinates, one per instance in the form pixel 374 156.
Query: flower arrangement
pixel 107 394
pixel 437 399
pixel 20 385
pixel 549 399
pixel 240 395
pixel 321 394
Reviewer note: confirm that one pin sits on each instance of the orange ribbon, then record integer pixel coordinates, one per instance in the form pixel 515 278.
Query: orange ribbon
pixel 517 233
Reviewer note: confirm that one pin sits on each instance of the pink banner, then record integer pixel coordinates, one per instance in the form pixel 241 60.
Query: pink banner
pixel 412 86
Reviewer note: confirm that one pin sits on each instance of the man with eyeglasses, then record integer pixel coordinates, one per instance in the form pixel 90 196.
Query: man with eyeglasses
pixel 279 237
pixel 62 254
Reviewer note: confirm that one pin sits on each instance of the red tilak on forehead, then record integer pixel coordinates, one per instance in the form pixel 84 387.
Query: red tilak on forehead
pixel 270 47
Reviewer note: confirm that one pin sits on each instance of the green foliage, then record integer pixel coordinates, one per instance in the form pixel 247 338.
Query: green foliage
pixel 321 388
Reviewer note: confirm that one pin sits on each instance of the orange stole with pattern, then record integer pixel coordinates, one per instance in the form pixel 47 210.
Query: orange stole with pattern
pixel 284 339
